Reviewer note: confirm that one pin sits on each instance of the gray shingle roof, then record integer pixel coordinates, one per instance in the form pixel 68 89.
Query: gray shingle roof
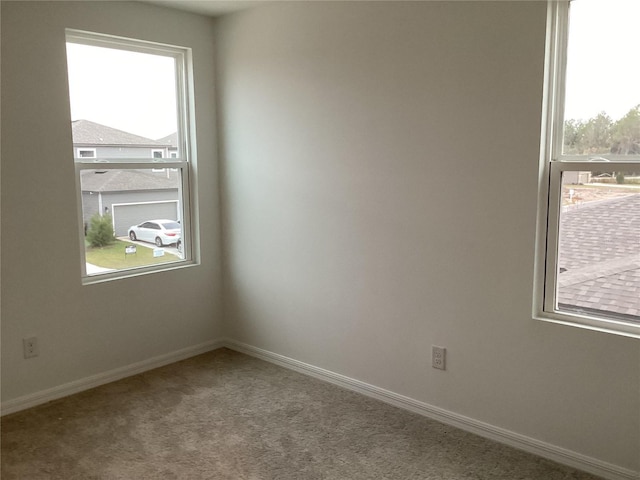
pixel 88 133
pixel 127 180
pixel 600 250
pixel 171 140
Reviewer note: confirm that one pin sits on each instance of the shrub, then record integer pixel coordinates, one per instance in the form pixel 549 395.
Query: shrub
pixel 620 178
pixel 100 231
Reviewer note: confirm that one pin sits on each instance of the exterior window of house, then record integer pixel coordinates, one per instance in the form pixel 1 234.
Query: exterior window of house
pixel 157 154
pixel 134 214
pixel 588 245
pixel 87 152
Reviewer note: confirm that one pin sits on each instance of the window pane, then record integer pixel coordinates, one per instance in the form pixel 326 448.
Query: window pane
pixel 123 103
pixel 602 107
pixel 131 218
pixel 599 244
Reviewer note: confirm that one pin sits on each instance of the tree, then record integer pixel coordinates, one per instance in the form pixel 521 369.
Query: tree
pixel 573 136
pixel 597 134
pixel 100 231
pixel 626 133
pixel 600 135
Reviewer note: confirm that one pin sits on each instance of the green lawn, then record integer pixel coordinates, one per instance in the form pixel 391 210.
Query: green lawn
pixel 113 256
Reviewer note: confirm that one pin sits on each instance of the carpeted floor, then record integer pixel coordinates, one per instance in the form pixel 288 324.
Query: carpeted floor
pixel 224 415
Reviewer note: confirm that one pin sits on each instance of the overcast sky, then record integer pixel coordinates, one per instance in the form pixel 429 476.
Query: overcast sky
pixel 603 71
pixel 135 92
pixel 130 91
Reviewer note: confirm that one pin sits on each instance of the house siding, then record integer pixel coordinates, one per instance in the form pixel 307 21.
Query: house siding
pixel 123 152
pixel 90 206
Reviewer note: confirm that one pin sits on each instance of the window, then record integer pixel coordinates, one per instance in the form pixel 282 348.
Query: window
pixel 86 152
pixel 134 214
pixel 588 245
pixel 158 154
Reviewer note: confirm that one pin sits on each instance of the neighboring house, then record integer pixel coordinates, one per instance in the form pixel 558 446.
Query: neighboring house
pixel 600 257
pixel 93 140
pixel 172 141
pixel 130 196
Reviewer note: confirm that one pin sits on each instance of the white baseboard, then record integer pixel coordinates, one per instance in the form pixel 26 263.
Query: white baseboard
pixel 44 396
pixel 521 442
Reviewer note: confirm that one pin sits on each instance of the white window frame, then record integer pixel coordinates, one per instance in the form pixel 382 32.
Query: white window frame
pixel 552 164
pixel 82 149
pixel 185 163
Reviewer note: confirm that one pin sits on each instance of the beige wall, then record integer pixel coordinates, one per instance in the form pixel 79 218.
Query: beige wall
pixel 380 166
pixel 88 330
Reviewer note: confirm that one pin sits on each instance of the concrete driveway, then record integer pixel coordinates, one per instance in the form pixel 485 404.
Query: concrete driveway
pixel 94 269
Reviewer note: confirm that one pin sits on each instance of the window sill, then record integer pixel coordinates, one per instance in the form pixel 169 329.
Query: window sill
pixel 625 329
pixel 137 272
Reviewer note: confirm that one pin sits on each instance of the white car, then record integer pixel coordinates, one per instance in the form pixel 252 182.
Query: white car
pixel 161 232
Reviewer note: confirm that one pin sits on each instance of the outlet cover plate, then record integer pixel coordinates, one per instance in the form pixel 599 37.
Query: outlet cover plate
pixel 438 357
pixel 30 346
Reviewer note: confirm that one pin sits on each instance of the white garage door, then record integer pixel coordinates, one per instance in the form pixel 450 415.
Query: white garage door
pixel 126 215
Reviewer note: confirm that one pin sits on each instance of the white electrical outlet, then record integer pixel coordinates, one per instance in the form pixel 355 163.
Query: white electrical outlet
pixel 438 357
pixel 30 347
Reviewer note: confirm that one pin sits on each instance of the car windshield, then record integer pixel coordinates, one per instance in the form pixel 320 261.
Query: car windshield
pixel 171 225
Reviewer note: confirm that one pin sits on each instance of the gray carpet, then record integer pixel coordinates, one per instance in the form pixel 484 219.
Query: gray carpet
pixel 224 415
